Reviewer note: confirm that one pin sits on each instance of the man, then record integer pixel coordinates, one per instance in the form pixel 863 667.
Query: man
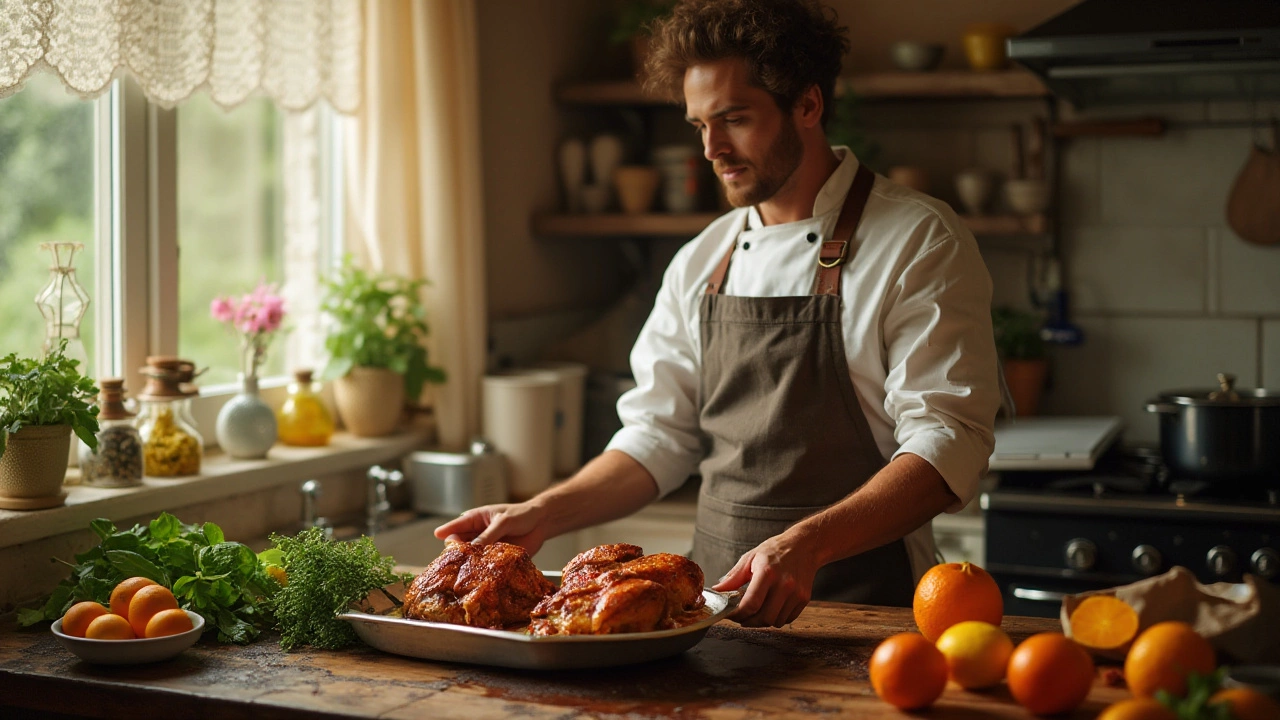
pixel 833 321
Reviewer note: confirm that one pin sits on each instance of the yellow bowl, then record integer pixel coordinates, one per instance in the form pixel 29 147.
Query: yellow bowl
pixel 984 45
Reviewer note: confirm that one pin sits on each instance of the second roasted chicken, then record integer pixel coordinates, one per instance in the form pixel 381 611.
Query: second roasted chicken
pixel 618 589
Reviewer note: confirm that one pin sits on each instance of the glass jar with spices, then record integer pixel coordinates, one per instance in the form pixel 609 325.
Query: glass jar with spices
pixel 118 459
pixel 303 419
pixel 171 445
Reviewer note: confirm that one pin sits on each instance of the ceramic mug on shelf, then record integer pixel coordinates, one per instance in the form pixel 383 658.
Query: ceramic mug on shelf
pixel 974 188
pixel 984 45
pixel 637 185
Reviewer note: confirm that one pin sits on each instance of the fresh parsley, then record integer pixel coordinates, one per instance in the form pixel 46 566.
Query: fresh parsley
pixel 222 581
pixel 46 391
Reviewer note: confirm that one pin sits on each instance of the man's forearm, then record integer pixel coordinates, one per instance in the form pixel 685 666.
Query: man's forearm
pixel 611 486
pixel 904 495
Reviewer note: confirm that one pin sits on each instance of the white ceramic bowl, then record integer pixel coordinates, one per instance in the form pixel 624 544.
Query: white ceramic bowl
pixel 130 652
pixel 1027 197
pixel 916 56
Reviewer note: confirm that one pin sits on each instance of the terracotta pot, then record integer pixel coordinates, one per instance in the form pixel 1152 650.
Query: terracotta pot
pixel 370 400
pixel 637 185
pixel 1025 379
pixel 33 467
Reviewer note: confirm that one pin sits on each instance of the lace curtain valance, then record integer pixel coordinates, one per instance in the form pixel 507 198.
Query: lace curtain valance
pixel 293 51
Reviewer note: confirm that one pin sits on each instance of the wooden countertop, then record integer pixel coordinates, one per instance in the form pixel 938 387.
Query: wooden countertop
pixel 815 668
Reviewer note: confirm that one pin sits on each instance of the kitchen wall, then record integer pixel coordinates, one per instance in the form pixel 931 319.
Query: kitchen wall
pixel 1166 294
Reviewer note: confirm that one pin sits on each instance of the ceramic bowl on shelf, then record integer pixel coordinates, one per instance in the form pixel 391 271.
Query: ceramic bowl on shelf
pixel 916 56
pixel 1027 197
pixel 974 187
pixel 130 652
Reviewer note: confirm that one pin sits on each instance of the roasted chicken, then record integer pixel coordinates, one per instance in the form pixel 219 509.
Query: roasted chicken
pixel 495 586
pixel 617 589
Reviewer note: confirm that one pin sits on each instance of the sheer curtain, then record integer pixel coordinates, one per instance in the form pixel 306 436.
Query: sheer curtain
pixel 414 204
pixel 292 51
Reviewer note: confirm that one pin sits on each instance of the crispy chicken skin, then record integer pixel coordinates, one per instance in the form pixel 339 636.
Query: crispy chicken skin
pixel 495 586
pixel 616 589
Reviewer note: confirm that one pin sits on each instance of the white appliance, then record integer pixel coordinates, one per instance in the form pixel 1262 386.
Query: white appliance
pixel 1053 443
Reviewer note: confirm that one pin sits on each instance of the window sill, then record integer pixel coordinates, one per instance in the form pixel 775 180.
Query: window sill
pixel 222 477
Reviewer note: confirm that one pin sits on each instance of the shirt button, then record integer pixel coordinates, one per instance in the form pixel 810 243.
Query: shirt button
pixel 812 237
pixel 746 245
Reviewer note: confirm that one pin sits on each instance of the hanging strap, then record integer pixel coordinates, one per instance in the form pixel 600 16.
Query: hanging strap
pixel 834 253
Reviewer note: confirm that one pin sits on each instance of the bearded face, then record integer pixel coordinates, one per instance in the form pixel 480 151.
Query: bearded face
pixel 751 180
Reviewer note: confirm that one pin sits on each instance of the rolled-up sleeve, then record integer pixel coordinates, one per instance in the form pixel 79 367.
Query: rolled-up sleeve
pixel 942 387
pixel 660 415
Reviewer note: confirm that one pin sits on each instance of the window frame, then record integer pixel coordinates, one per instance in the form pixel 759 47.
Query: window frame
pixel 136 226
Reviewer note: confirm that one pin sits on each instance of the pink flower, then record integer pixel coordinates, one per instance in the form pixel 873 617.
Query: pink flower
pixel 221 309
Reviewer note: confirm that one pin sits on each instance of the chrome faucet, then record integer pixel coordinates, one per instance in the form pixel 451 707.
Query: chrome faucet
pixel 310 491
pixel 378 505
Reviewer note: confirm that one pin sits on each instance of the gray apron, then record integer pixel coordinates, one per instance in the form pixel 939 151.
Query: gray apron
pixel 787 436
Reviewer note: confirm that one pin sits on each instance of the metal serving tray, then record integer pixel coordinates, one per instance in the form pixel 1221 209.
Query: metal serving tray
pixel 513 649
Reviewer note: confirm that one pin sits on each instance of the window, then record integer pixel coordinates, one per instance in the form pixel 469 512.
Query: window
pixel 174 207
pixel 47 140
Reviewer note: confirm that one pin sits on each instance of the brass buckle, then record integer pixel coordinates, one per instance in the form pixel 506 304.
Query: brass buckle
pixel 844 249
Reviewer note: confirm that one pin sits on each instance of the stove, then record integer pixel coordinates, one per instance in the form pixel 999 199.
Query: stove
pixel 1050 534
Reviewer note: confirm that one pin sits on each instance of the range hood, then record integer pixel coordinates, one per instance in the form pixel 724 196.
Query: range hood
pixel 1104 52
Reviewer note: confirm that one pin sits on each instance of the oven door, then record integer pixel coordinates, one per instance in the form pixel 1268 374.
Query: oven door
pixel 1036 595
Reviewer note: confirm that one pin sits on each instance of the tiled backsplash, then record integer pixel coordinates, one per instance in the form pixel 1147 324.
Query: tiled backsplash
pixel 1167 295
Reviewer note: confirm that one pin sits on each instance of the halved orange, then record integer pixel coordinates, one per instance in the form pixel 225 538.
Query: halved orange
pixel 1102 622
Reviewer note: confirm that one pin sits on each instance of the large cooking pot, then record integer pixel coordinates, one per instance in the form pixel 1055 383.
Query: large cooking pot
pixel 1220 435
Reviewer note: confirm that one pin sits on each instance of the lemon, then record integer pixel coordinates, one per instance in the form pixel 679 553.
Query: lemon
pixel 977 653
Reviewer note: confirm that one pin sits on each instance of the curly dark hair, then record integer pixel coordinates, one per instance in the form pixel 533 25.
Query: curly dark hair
pixel 789 46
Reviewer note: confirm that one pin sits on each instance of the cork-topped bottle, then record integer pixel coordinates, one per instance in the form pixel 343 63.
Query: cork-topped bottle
pixel 118 459
pixel 304 420
pixel 171 445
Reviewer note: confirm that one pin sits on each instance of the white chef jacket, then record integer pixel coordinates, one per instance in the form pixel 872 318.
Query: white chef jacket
pixel 916 317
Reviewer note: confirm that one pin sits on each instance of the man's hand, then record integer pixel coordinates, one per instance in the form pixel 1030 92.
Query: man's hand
pixel 780 574
pixel 521 524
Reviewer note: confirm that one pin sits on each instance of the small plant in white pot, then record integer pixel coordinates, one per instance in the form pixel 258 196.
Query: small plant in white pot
pixel 376 353
pixel 41 403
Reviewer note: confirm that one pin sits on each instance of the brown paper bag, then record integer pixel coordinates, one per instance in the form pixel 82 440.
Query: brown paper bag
pixel 1241 620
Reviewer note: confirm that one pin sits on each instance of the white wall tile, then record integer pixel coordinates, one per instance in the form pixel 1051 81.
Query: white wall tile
pixel 1249 275
pixel 1126 361
pixel 1136 269
pixel 1270 356
pixel 1179 179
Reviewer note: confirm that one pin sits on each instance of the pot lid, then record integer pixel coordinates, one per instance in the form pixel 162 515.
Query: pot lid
pixel 1225 395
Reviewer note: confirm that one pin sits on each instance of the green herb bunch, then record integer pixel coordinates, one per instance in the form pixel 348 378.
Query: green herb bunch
pixel 47 391
pixel 380 322
pixel 324 578
pixel 1017 334
pixel 222 581
pixel 636 17
pixel 1196 705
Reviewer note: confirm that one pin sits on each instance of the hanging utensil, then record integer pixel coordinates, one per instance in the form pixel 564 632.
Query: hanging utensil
pixel 1253 207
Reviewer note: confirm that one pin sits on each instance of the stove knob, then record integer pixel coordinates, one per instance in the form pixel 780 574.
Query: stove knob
pixel 1266 562
pixel 1081 554
pixel 1221 560
pixel 1146 560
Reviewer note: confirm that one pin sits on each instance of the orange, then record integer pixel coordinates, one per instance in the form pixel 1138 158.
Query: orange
pixel 168 622
pixel 146 603
pixel 1102 622
pixel 955 592
pixel 78 617
pixel 1137 709
pixel 1050 674
pixel 977 654
pixel 1247 704
pixel 109 627
pixel 1162 656
pixel 123 593
pixel 908 672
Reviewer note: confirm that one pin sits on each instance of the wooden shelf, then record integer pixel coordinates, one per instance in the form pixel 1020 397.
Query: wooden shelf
pixel 663 224
pixel 940 85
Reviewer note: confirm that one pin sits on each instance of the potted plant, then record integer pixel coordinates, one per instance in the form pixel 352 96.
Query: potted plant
pixel 376 352
pixel 41 403
pixel 635 20
pixel 1022 356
